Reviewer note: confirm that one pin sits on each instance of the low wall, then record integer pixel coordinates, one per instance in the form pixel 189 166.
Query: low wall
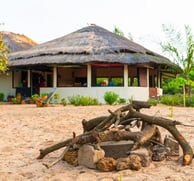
pixel 136 93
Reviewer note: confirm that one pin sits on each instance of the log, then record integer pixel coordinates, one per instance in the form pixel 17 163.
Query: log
pixel 109 135
pixel 111 119
pixel 100 133
pixel 44 152
pixel 92 123
pixel 171 127
pixel 137 105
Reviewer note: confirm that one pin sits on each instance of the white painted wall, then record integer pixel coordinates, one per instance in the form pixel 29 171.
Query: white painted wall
pixel 159 91
pixel 6 85
pixel 136 93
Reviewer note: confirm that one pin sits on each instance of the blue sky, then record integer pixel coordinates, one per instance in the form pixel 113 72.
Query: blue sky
pixel 44 20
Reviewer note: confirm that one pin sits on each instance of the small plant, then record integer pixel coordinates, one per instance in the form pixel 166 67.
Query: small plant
pixel 171 111
pixel 82 100
pixel 15 101
pixel 86 101
pixel 74 100
pixel 152 102
pixel 1 97
pixel 56 98
pixel 171 100
pixel 121 101
pixel 44 94
pixel 63 102
pixel 111 97
pixel 34 97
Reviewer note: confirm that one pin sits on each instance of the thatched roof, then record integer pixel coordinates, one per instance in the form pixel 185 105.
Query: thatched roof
pixel 16 42
pixel 89 44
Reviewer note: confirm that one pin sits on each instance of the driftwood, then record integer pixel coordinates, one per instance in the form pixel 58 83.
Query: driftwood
pixel 105 128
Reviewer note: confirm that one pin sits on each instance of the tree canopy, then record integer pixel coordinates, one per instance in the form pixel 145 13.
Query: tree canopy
pixel 180 47
pixel 3 55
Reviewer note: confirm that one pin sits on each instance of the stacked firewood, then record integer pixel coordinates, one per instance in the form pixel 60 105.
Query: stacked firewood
pixel 117 126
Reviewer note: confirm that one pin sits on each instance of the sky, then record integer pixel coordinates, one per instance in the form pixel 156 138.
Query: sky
pixel 44 20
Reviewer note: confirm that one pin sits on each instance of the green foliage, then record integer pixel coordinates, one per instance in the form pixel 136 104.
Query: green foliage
pixel 3 55
pixel 74 99
pixel 171 111
pixel 180 47
pixel 177 100
pixel 83 100
pixel 171 100
pixel 111 97
pixel 44 94
pixel 63 101
pixel 34 97
pixel 153 102
pixel 14 100
pixel 56 96
pixel 118 31
pixel 191 75
pixel 189 101
pixel 1 97
pixel 121 101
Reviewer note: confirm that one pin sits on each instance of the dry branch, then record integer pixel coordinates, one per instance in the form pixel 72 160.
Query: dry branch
pixel 96 130
pixel 171 127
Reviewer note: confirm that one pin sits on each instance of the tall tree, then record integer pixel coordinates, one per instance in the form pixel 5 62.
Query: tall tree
pixel 118 31
pixel 3 55
pixel 180 47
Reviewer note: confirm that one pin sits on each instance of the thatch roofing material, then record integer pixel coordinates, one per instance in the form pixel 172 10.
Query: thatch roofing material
pixel 89 44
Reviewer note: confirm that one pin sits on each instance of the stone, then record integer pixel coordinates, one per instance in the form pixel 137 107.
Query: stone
pixel 132 162
pixel 89 155
pixel 71 157
pixel 170 142
pixel 144 154
pixel 116 149
pixel 106 164
pixel 160 152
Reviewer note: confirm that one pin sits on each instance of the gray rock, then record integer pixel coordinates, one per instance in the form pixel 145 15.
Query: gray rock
pixel 89 156
pixel 144 154
pixel 170 142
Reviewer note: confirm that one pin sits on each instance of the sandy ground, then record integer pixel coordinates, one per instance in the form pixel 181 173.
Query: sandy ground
pixel 24 129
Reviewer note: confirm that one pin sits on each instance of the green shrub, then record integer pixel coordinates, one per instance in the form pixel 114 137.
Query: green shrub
pixel 171 100
pixel 43 94
pixel 34 97
pixel 83 100
pixel 153 102
pixel 74 99
pixel 63 101
pixel 56 96
pixel 177 100
pixel 121 101
pixel 15 101
pixel 1 97
pixel 111 97
pixel 190 101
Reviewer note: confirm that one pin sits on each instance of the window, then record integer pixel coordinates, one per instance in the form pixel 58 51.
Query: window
pixel 107 75
pixel 72 76
pixel 133 76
